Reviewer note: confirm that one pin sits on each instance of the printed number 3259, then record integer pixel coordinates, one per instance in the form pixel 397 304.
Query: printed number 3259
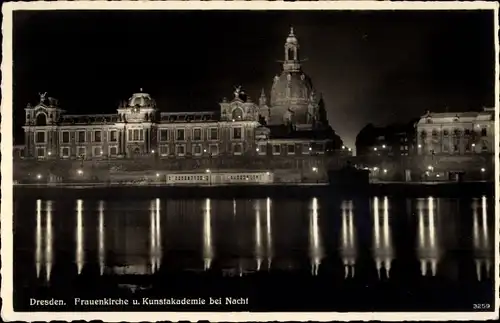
pixel 481 306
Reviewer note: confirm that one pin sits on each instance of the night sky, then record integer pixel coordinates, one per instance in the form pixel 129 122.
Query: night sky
pixel 379 67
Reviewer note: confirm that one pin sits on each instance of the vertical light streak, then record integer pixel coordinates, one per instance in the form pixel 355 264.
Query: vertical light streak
pixel 258 235
pixel 101 239
pixel 421 230
pixel 315 238
pixel 376 222
pixel 38 237
pixel 432 223
pixel 234 207
pixel 158 234
pixel 48 241
pixel 387 237
pixel 269 237
pixel 207 236
pixel 348 246
pixel 484 210
pixel 79 236
pixel 152 236
pixel 475 226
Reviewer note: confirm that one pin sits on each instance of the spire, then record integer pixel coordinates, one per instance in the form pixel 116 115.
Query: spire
pixel 262 99
pixel 292 62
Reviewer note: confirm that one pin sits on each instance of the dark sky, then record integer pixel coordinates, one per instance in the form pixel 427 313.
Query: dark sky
pixel 371 66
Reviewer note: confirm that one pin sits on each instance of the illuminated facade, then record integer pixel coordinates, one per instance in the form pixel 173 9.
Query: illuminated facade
pixel 456 133
pixel 293 124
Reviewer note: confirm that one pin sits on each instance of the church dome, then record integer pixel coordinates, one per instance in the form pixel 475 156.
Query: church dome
pixel 140 99
pixel 291 87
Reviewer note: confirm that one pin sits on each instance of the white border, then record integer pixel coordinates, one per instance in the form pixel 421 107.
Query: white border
pixel 7 150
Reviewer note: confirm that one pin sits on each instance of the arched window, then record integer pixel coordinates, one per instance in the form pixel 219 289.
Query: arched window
pixel 237 114
pixel 291 54
pixel 41 119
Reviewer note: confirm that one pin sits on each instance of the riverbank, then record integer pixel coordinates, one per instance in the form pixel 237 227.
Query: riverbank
pixel 295 191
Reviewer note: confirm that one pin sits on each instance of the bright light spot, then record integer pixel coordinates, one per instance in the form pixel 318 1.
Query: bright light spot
pixel 430 167
pixel 79 172
pixel 314 169
pixel 204 150
pixel 233 120
pixel 343 147
pixel 375 168
pixel 375 148
pixel 419 146
pixel 383 146
pixel 349 149
pixel 267 173
pixel 208 171
pixel 385 170
pixel 157 174
pixel 256 149
pixel 310 149
pixel 39 176
pixel 473 145
pixel 437 175
pixel 483 170
pixel 49 153
pixel 153 151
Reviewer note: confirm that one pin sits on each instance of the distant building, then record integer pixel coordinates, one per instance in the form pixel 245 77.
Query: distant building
pixel 393 140
pixel 449 133
pixel 293 124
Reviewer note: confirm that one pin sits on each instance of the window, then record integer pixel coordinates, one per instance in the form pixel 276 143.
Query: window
pixel 135 135
pixel 164 150
pixel 236 133
pixel 237 114
pixel 40 152
pixel 113 151
pixel 180 134
pixel 65 137
pixel 163 135
pixel 81 136
pixel 455 148
pixel 197 134
pixel 81 152
pixel 434 133
pixel 467 132
pixel 276 149
pixel 214 134
pixel 213 150
pixel 40 137
pixel 305 149
pixel 65 152
pixel 97 151
pixel 445 132
pixel 97 136
pixel 113 136
pixel 483 132
pixel 237 149
pixel 180 149
pixel 197 150
pixel 262 149
pixel 484 146
pixel 291 149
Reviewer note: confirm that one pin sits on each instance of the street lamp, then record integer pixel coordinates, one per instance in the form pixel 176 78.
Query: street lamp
pixel 315 169
pixel 385 171
pixel 383 146
pixel 419 146
pixel 343 147
pixel 39 176
pixel 207 170
pixel 49 153
pixel 79 172
pixel 483 170
pixel 430 168
pixel 374 148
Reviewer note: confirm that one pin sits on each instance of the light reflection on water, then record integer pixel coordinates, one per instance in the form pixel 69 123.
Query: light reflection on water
pixel 121 233
pixel 428 248
pixel 481 238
